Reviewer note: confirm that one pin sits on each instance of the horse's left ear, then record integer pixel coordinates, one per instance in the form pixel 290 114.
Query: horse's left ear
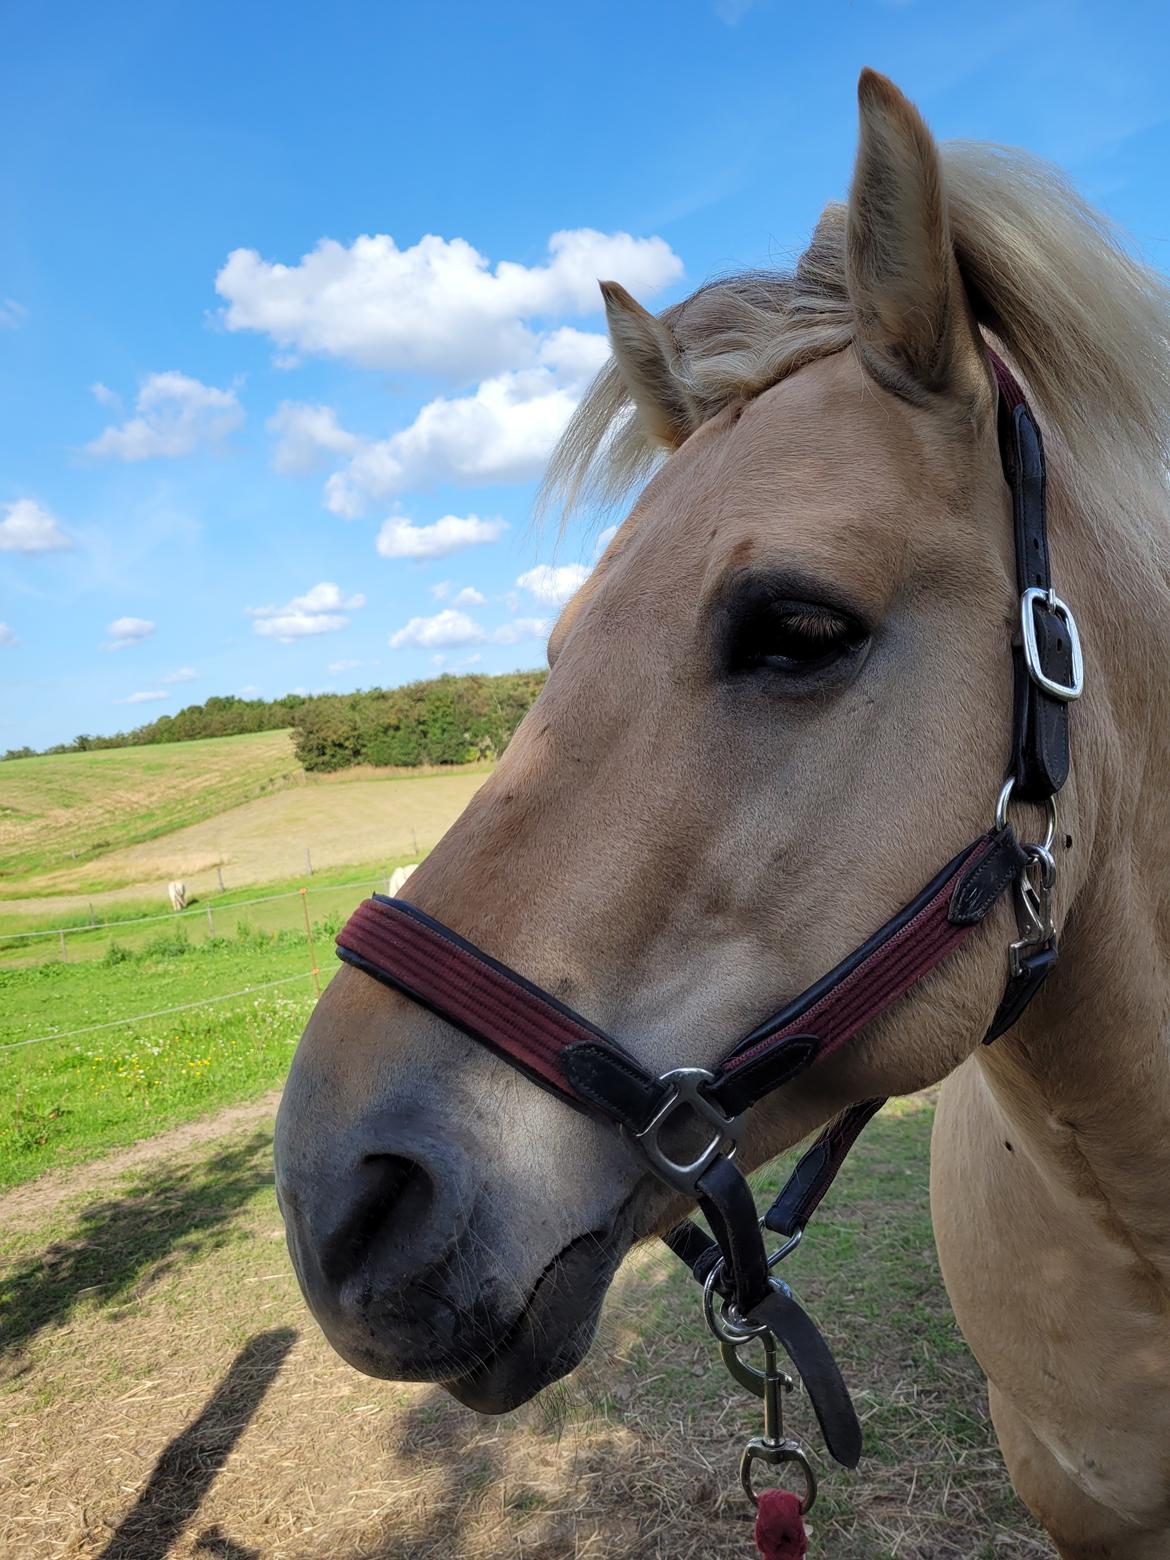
pixel 915 331
pixel 647 359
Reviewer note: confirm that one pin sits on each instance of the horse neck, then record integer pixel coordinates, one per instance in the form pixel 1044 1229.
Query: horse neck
pixel 1083 1081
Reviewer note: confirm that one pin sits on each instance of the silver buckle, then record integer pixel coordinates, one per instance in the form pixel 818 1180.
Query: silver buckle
pixel 685 1084
pixel 1065 692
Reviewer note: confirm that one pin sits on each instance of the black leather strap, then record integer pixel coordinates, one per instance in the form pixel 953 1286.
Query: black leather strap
pixel 1040 741
pixel 1034 971
pixel 978 889
pixel 734 1092
pixel 817 1368
pixel 817 1168
pixel 613 1082
pixel 692 1245
pixel 730 1209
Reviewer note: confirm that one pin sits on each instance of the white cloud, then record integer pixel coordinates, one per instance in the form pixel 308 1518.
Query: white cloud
pixel 449 628
pixel 183 675
pixel 445 628
pixel 176 414
pixel 503 432
pixel 249 691
pixel 104 396
pixel 12 314
pixel 147 696
pixel 522 628
pixel 603 540
pixel 337 667
pixel 437 307
pixel 467 596
pixel 400 538
pixel 574 356
pixel 319 611
pixel 126 631
pixel 28 528
pixel 306 436
pixel 553 585
pixel 8 636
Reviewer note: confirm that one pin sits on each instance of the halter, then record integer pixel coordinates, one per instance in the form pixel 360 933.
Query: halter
pixel 405 948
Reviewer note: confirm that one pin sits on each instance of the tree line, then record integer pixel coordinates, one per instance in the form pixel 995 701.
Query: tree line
pixel 444 720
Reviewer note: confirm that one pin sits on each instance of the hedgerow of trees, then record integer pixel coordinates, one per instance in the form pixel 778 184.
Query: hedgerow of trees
pixel 445 720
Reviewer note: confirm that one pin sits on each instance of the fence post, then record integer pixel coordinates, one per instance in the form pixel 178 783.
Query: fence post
pixel 64 951
pixel 414 843
pixel 308 864
pixel 92 916
pixel 210 922
pixel 309 937
pixel 219 875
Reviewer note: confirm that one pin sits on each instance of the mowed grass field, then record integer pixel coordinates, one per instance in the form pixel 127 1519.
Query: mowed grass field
pixel 61 812
pixel 82 828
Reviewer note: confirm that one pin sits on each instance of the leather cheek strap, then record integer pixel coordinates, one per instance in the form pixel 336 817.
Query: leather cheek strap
pixel 1040 727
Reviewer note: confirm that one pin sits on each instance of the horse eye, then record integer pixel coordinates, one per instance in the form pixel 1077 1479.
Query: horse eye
pixel 792 637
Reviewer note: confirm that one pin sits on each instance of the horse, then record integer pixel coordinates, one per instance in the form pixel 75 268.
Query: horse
pixel 398 877
pixel 177 894
pixel 781 698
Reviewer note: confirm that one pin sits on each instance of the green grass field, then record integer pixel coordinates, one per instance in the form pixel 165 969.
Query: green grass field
pixel 129 1074
pixel 132 923
pixel 66 1100
pixel 66 809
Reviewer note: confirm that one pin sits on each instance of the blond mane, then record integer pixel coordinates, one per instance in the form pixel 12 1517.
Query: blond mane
pixel 1086 325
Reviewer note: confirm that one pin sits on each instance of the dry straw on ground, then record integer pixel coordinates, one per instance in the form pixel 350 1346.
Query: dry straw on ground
pixel 166 1393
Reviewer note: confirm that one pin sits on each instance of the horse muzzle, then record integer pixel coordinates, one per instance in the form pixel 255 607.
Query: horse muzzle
pixel 413 1274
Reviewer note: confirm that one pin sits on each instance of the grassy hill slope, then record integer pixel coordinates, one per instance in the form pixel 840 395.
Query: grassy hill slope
pixel 62 810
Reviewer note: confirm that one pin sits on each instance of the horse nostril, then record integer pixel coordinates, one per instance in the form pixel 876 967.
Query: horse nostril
pixel 406 1190
pixel 392 1209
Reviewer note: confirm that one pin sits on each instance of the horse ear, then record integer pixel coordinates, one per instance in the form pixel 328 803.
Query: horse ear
pixel 647 359
pixel 915 332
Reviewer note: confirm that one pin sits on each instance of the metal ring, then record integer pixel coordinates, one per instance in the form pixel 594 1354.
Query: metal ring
pixel 786 1249
pixel 774 1454
pixel 1049 804
pixel 725 1328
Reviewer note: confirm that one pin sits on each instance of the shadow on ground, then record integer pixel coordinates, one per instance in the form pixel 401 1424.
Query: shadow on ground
pixel 189 1465
pixel 119 1246
pixel 643 1461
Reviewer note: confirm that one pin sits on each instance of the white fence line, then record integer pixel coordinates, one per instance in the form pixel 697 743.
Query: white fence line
pixel 174 915
pixel 139 1018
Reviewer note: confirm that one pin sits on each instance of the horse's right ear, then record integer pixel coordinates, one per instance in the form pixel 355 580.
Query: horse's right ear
pixel 915 331
pixel 647 359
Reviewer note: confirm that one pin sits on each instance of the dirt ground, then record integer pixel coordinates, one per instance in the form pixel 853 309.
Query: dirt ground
pixel 165 1393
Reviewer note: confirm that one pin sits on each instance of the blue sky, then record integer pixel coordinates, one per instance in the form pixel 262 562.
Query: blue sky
pixel 286 331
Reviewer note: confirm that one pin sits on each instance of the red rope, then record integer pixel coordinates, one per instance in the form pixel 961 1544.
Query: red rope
pixel 780 1531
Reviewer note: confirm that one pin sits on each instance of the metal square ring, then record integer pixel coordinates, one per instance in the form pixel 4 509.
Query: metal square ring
pixel 686 1086
pixel 1029 601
